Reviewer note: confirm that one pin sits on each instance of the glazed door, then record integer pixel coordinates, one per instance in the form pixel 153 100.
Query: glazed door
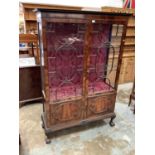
pixel 65 43
pixel 106 39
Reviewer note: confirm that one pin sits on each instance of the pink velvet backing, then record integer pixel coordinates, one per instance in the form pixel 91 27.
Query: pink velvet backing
pixel 65 45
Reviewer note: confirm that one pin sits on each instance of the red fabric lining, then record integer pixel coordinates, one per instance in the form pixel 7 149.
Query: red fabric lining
pixel 68 91
pixel 65 59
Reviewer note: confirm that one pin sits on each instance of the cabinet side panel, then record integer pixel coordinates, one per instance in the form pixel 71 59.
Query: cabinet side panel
pixel 44 69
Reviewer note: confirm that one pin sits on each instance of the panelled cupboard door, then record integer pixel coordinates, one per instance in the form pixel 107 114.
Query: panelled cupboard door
pixel 65 42
pixel 102 66
pixel 66 112
pixel 100 105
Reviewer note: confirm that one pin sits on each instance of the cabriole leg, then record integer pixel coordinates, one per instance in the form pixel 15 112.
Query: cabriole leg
pixel 111 123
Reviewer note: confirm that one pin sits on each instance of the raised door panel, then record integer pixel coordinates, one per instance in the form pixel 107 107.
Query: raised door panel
pixel 66 112
pixel 102 68
pixel 100 105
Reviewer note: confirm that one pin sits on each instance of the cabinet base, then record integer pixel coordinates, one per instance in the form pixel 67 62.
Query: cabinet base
pixel 49 132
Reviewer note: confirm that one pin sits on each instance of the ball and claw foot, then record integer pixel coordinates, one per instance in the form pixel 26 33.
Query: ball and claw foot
pixel 111 123
pixel 48 141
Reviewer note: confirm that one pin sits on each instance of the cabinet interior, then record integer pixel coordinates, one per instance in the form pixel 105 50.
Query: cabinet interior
pixel 66 43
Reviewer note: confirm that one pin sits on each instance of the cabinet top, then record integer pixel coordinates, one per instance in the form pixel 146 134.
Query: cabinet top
pixel 42 10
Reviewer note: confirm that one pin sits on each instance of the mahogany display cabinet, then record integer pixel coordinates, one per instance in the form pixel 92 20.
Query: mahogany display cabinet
pixel 78 55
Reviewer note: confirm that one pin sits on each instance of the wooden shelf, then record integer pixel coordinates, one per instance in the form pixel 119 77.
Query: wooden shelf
pixel 130 35
pixel 31 20
pixel 125 54
pixel 129 48
pixel 26 48
pixel 129 43
pixel 130 26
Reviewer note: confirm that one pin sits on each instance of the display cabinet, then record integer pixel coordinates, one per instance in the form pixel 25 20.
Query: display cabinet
pixel 77 58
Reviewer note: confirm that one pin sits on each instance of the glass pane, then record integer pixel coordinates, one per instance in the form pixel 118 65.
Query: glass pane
pixel 106 40
pixel 65 44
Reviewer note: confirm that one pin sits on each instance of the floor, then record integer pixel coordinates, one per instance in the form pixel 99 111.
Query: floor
pixel 94 139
